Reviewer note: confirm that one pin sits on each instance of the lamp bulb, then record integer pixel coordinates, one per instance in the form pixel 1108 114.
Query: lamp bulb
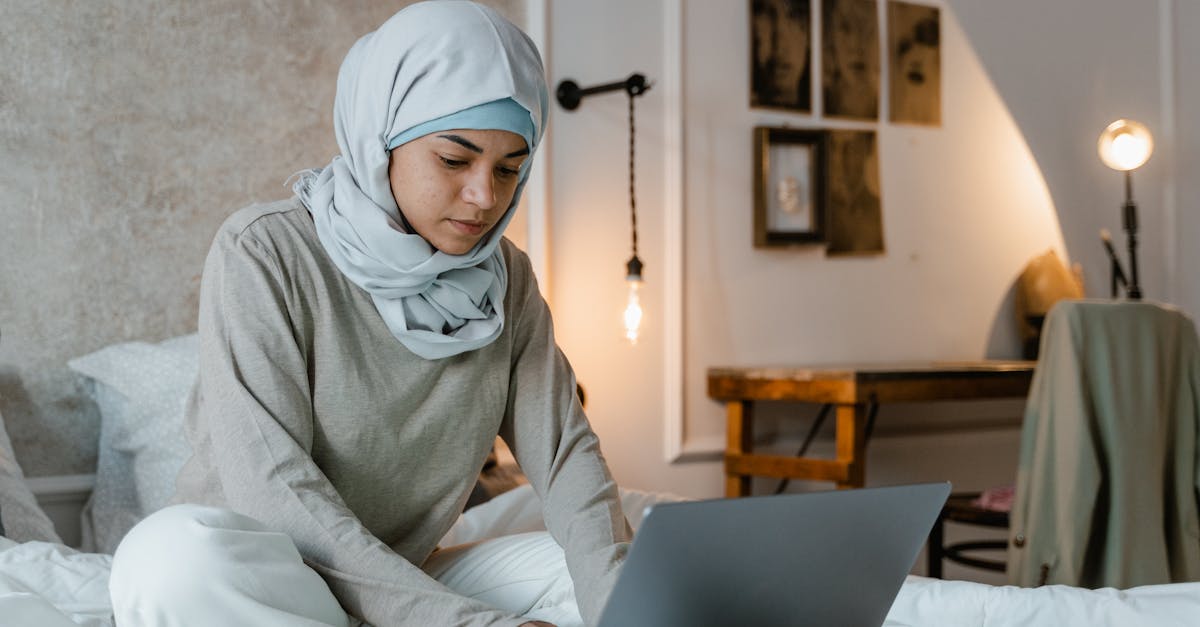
pixel 1125 145
pixel 633 312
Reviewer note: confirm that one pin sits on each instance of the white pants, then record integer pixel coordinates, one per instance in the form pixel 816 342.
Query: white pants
pixel 190 565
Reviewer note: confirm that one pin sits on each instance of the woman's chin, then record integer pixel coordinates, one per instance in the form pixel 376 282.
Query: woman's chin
pixel 456 246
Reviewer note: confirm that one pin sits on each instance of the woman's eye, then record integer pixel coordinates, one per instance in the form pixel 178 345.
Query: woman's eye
pixel 506 172
pixel 452 163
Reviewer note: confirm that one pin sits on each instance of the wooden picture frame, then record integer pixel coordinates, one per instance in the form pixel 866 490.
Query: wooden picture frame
pixel 790 202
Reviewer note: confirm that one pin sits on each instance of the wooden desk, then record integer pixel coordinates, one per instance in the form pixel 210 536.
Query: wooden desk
pixel 853 390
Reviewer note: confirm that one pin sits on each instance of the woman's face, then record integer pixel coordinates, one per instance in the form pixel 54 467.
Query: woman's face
pixel 781 46
pixel 850 42
pixel 917 63
pixel 454 186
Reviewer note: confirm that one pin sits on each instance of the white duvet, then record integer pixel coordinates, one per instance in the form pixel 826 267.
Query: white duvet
pixel 50 585
pixel 933 602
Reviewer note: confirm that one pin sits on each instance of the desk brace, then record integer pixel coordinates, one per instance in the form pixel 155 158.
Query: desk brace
pixel 872 411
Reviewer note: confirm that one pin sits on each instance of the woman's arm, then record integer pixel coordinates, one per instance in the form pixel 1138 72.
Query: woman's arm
pixel 256 410
pixel 546 428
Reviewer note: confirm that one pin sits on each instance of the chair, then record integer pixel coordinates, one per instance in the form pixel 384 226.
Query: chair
pixel 1107 481
pixel 960 508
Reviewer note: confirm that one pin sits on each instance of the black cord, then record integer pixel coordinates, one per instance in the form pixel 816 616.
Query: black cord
pixel 632 198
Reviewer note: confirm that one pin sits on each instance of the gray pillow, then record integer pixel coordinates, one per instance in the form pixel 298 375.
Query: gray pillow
pixel 141 390
pixel 21 519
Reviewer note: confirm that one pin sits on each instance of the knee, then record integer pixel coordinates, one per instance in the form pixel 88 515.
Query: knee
pixel 174 548
pixel 514 572
pixel 188 528
pixel 194 565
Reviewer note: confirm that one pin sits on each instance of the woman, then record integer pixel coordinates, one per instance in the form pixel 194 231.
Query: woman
pixel 361 347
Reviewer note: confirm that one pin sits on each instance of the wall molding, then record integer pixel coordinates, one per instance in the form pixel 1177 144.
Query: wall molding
pixel 676 447
pixel 1169 133
pixel 59 488
pixel 537 193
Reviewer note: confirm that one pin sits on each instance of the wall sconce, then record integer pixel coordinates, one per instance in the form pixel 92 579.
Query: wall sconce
pixel 569 95
pixel 1124 146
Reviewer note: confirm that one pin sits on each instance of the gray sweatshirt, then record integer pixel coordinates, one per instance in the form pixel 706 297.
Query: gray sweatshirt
pixel 310 417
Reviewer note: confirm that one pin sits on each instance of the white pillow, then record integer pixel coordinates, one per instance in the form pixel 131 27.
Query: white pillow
pixel 141 390
pixel 21 519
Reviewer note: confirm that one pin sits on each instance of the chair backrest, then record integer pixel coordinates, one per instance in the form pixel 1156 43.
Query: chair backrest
pixel 1107 479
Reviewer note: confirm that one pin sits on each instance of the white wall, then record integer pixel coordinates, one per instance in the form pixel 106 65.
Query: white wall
pixel 963 206
pixel 1027 87
pixel 1186 258
pixel 593 43
pixel 1066 69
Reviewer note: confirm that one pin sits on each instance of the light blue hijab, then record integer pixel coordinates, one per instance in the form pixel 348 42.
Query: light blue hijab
pixel 432 66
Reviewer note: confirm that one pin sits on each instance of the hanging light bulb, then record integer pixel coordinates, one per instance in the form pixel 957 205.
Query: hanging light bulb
pixel 633 268
pixel 569 95
pixel 633 306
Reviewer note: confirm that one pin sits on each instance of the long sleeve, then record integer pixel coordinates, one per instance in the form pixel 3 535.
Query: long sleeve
pixel 558 451
pixel 255 417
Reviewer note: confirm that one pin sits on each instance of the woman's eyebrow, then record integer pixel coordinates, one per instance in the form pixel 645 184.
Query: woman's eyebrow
pixel 461 141
pixel 469 145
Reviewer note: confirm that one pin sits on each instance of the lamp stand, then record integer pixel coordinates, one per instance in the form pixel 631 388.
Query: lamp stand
pixel 1133 291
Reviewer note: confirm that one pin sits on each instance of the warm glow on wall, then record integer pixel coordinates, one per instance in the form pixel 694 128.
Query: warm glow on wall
pixel 569 95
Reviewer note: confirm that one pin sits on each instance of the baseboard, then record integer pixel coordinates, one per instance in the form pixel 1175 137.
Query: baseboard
pixel 61 487
pixel 62 498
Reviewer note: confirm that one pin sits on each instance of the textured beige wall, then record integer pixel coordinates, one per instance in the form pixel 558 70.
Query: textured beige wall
pixel 129 129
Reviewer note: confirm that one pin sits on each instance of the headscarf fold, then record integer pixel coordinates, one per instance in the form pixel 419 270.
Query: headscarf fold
pixel 429 61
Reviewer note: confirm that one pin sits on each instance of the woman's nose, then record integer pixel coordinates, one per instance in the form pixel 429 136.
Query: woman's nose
pixel 480 189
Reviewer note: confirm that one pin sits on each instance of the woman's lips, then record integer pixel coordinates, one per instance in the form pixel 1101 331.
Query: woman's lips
pixel 468 227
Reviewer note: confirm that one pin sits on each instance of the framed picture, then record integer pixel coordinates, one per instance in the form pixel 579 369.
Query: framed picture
pixel 915 63
pixel 855 210
pixel 850 59
pixel 789 186
pixel 781 54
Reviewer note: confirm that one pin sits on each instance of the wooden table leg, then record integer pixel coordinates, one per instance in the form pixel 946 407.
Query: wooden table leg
pixel 851 444
pixel 739 439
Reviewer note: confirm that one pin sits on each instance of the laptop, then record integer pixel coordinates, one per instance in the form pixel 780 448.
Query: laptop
pixel 825 558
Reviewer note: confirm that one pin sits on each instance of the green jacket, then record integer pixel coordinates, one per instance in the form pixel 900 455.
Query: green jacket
pixel 1109 477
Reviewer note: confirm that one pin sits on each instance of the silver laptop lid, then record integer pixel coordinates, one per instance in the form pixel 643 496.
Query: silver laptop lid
pixel 825 558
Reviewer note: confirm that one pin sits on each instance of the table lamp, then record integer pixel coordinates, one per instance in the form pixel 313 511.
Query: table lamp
pixel 1124 146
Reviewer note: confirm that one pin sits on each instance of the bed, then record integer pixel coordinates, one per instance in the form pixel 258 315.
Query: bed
pixel 140 390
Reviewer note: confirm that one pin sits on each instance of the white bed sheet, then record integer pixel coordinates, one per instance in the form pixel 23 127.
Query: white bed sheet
pixel 923 601
pixel 50 585
pixel 43 584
